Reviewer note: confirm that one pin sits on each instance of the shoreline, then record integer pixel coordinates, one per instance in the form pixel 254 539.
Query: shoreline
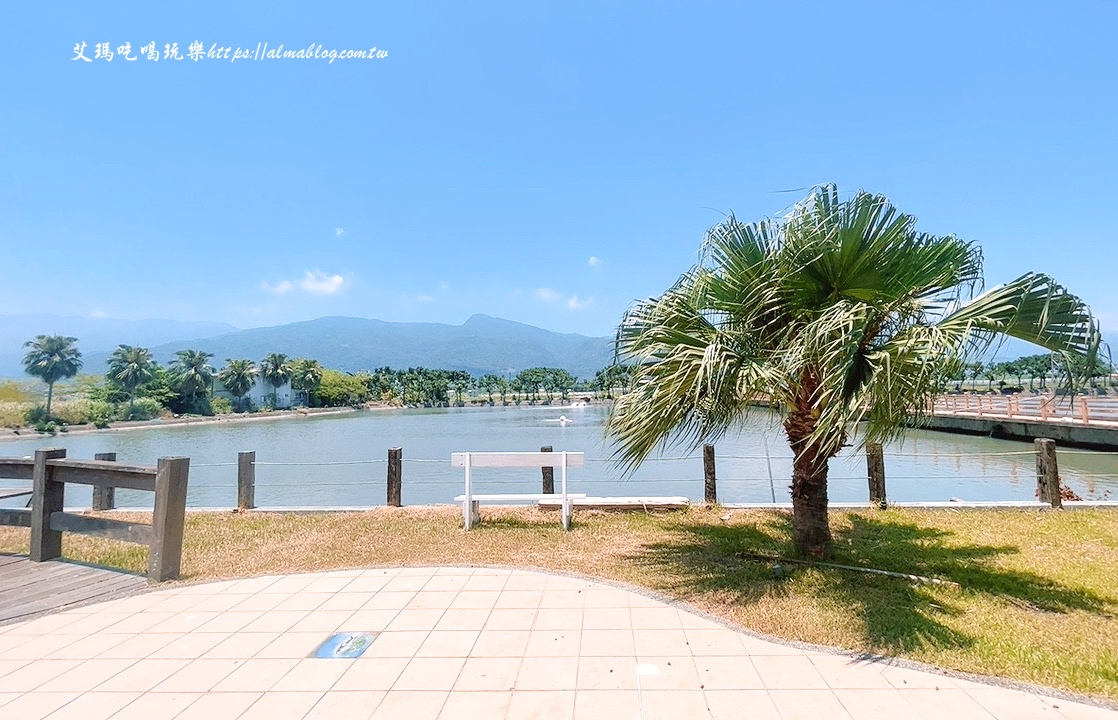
pixel 28 432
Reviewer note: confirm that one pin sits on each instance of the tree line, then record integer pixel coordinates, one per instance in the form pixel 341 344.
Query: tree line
pixel 1037 369
pixel 186 384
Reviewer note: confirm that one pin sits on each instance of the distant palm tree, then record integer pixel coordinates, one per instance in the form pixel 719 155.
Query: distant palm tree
pixel 130 367
pixel 839 313
pixel 306 376
pixel 193 375
pixel 51 358
pixel 276 370
pixel 237 376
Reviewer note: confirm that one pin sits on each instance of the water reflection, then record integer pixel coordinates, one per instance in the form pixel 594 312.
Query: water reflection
pixel 341 460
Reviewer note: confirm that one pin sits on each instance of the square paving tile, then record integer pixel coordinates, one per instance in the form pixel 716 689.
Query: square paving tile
pixel 752 704
pixel 372 673
pixel 674 704
pixel 348 705
pixel 410 705
pixel 788 673
pixel 809 705
pixel 94 706
pixel 275 705
pixel 488 673
pixel 255 675
pixel 157 706
pixel 430 674
pixel 728 673
pixel 468 705
pixel 448 643
pixel 547 673
pixel 607 673
pixel 611 704
pixel 224 706
pixel 541 705
pixel 501 643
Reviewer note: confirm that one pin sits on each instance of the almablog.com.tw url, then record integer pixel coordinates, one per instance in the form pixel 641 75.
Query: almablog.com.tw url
pixel 197 52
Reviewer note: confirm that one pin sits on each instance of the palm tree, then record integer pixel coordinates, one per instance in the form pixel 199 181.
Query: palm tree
pixel 275 369
pixel 193 375
pixel 237 376
pixel 306 376
pixel 838 313
pixel 130 367
pixel 51 358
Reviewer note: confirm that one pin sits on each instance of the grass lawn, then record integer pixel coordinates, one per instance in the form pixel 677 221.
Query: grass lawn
pixel 1038 595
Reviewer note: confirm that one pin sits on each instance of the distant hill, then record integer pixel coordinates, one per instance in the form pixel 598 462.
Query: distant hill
pixel 481 345
pixel 97 337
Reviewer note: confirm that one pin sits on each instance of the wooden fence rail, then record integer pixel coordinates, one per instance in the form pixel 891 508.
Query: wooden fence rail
pixel 49 472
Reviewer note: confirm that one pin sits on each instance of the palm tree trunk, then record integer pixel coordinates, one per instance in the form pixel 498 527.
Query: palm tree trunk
pixel 50 396
pixel 811 531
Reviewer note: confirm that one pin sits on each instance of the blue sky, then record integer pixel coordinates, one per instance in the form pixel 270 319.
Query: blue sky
pixel 543 162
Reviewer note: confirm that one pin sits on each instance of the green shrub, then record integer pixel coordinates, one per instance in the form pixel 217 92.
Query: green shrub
pixel 221 406
pixel 36 415
pixel 143 409
pixel 13 414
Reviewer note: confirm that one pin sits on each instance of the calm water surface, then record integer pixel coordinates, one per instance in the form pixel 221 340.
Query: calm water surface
pixel 928 466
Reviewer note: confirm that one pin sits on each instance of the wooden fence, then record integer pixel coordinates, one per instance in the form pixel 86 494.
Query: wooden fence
pixel 1048 483
pixel 49 472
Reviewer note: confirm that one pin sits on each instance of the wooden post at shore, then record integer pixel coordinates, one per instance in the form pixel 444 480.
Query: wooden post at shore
pixel 47 497
pixel 395 476
pixel 1047 473
pixel 246 480
pixel 875 473
pixel 104 498
pixel 168 519
pixel 710 480
pixel 548 474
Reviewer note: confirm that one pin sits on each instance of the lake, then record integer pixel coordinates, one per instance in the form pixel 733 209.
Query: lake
pixel 340 460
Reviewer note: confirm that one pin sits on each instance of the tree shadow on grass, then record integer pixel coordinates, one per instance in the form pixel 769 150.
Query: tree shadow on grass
pixel 896 614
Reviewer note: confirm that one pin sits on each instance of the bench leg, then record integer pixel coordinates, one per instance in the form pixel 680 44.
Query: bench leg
pixel 567 514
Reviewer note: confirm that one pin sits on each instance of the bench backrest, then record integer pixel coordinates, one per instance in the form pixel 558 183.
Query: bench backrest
pixel 517 459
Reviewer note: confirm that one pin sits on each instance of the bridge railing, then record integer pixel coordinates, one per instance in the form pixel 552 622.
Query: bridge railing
pixel 49 472
pixel 1081 409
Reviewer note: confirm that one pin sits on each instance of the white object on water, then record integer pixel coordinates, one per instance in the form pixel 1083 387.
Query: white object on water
pixel 563 419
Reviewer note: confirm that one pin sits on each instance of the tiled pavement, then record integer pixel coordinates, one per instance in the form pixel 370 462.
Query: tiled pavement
pixel 457 643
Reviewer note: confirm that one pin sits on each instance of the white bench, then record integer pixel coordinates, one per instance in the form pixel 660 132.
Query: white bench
pixel 471 460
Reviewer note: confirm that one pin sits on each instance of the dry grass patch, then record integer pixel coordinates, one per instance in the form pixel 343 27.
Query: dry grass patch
pixel 1037 601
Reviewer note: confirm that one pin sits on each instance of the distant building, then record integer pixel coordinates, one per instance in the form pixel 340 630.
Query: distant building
pixel 260 395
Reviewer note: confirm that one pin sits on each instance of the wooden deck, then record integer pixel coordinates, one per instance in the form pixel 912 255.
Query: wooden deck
pixel 30 589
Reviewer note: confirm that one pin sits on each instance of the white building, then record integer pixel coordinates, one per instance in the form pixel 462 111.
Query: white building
pixel 260 394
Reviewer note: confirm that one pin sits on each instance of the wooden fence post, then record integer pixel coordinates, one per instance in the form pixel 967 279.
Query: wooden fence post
pixel 1047 473
pixel 46 498
pixel 395 476
pixel 246 480
pixel 548 474
pixel 168 519
pixel 104 498
pixel 875 473
pixel 710 480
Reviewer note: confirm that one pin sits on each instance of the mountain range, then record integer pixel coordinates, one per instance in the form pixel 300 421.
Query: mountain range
pixel 482 344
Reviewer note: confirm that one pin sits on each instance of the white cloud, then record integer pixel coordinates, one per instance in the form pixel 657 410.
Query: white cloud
pixel 98 314
pixel 594 261
pixel 283 286
pixel 339 231
pixel 320 283
pixel 425 298
pixel 314 282
pixel 444 285
pixel 547 295
pixel 574 303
